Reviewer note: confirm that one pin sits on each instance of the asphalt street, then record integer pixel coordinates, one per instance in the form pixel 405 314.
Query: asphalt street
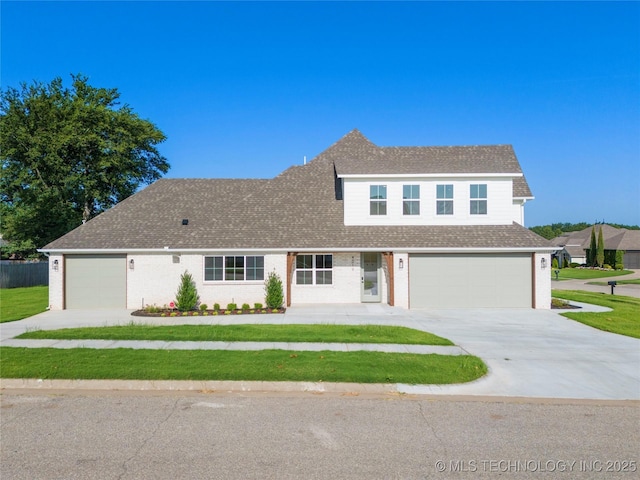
pixel 210 435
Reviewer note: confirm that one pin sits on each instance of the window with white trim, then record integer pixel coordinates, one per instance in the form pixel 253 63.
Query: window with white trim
pixel 411 199
pixel 231 268
pixel 234 268
pixel 213 269
pixel 314 269
pixel 377 199
pixel 255 268
pixel 444 199
pixel 478 195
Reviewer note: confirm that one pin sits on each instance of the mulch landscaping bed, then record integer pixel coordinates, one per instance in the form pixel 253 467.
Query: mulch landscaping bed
pixel 207 313
pixel 563 306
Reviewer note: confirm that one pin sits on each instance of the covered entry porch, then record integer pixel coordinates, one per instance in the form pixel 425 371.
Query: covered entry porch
pixel 340 277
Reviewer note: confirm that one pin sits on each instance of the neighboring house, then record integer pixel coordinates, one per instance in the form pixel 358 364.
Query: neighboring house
pixel 434 227
pixel 574 245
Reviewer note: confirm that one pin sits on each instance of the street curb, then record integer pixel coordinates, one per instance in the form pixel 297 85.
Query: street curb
pixel 199 386
pixel 19 386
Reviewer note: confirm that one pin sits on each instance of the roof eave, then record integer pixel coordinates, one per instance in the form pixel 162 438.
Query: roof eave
pixel 112 251
pixel 428 175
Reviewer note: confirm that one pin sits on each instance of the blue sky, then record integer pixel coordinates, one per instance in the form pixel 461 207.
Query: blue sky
pixel 248 89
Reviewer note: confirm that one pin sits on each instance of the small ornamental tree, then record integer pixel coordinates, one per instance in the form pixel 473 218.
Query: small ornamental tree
pixel 591 253
pixel 274 295
pixel 600 249
pixel 554 263
pixel 619 263
pixel 187 294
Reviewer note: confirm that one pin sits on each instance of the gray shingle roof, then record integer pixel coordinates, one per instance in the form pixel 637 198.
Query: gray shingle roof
pixel 614 239
pixel 298 209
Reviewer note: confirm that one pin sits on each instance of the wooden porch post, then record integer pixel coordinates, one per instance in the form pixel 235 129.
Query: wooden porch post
pixel 388 256
pixel 290 259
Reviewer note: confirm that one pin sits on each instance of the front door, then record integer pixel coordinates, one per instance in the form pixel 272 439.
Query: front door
pixel 370 277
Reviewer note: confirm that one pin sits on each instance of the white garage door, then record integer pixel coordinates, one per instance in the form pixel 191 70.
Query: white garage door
pixel 470 280
pixel 95 281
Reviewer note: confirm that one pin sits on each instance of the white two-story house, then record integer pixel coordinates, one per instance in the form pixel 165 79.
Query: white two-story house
pixel 414 227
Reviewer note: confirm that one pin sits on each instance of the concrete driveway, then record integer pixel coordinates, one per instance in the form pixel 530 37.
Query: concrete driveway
pixel 537 353
pixel 530 353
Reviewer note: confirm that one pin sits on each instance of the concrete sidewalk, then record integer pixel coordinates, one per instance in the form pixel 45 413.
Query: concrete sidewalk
pixel 238 346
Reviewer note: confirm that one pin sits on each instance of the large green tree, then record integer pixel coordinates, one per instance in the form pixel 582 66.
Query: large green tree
pixel 68 154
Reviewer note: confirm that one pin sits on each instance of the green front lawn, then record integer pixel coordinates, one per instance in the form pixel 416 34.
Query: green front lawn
pixel 624 319
pixel 19 303
pixel 586 273
pixel 248 333
pixel 267 365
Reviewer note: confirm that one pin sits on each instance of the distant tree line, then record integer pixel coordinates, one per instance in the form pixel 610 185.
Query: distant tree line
pixel 556 229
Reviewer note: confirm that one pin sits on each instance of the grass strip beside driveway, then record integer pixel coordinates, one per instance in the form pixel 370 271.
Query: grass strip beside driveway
pixel 319 333
pixel 263 365
pixel 586 273
pixel 19 303
pixel 624 318
pixel 619 282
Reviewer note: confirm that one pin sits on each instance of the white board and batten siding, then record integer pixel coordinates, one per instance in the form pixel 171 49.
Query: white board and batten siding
pixel 500 207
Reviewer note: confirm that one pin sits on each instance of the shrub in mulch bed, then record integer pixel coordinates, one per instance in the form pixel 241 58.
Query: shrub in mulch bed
pixel 558 304
pixel 206 313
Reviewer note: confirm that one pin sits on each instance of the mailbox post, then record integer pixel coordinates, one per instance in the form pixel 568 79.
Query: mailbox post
pixel 613 284
pixel 556 271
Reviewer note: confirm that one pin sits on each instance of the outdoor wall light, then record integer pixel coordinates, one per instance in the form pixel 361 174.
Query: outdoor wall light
pixel 56 264
pixel 401 264
pixel 131 264
pixel 543 262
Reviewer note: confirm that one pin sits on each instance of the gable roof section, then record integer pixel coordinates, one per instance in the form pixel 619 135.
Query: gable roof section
pixel 630 241
pixel 358 156
pixel 297 210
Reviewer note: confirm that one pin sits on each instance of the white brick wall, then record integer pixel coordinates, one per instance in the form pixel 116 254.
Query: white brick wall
pixel 401 280
pixel 500 208
pixel 543 281
pixel 345 287
pixel 56 283
pixel 156 278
